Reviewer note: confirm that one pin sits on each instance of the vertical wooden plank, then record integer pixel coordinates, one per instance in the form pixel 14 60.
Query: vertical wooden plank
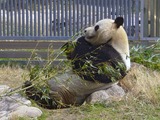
pixel 105 9
pixel 146 20
pixel 27 28
pixel 142 22
pixel 109 8
pixel 8 18
pixel 62 18
pixel 4 33
pixel 46 18
pixel 58 17
pixel 158 9
pixel 125 15
pixel 66 17
pixel 31 26
pixel 133 20
pixel 129 17
pixel 42 18
pixel 97 10
pixel 90 12
pixel 154 8
pixel 74 17
pixel 137 20
pixel 54 18
pixel 39 25
pixel 93 11
pixel 70 18
pixel 157 18
pixel 50 11
pixel 23 18
pixel 35 19
pixel 78 12
pixel 121 8
pixel 117 8
pixel 86 15
pixel 82 5
pixel 1 20
pixel 101 9
pixel 15 17
pixel 113 9
pixel 151 18
pixel 19 18
pixel 11 20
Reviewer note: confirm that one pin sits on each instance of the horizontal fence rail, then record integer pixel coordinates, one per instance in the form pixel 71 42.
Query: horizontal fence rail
pixel 32 52
pixel 61 19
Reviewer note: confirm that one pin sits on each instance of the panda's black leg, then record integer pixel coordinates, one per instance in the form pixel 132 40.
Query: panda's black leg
pixel 37 95
pixel 31 91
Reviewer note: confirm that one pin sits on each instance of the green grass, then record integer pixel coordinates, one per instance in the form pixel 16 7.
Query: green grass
pixel 129 109
pixel 122 110
pixel 148 56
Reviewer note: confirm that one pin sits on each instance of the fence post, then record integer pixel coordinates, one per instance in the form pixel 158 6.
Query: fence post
pixel 137 19
pixel 158 18
pixel 142 20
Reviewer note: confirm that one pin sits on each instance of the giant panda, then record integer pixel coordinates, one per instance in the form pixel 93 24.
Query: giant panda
pixel 103 46
pixel 106 43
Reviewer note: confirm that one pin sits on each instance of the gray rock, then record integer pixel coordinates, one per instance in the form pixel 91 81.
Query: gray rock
pixel 15 105
pixel 3 105
pixel 3 88
pixel 25 111
pixel 98 96
pixel 3 114
pixel 10 103
pixel 114 92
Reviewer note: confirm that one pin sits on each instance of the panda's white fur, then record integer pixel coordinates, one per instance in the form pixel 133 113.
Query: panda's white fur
pixel 107 31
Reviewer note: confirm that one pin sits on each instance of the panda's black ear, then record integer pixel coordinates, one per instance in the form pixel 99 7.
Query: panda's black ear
pixel 119 21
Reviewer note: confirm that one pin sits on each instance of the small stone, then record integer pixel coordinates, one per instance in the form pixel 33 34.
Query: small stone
pixel 3 114
pixel 4 118
pixel 114 92
pixel 25 111
pixel 3 105
pixel 98 96
pixel 16 105
pixel 3 88
pixel 14 101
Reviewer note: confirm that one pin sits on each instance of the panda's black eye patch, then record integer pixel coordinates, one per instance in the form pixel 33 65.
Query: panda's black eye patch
pixel 96 27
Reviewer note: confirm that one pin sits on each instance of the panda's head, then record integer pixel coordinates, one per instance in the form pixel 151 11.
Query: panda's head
pixel 102 31
pixel 111 32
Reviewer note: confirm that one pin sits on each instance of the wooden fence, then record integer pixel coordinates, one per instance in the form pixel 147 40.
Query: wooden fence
pixel 32 52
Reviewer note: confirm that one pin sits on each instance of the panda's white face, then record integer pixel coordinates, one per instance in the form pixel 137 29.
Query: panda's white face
pixel 101 32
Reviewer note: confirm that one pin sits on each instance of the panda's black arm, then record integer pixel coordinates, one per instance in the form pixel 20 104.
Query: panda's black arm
pixel 68 49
